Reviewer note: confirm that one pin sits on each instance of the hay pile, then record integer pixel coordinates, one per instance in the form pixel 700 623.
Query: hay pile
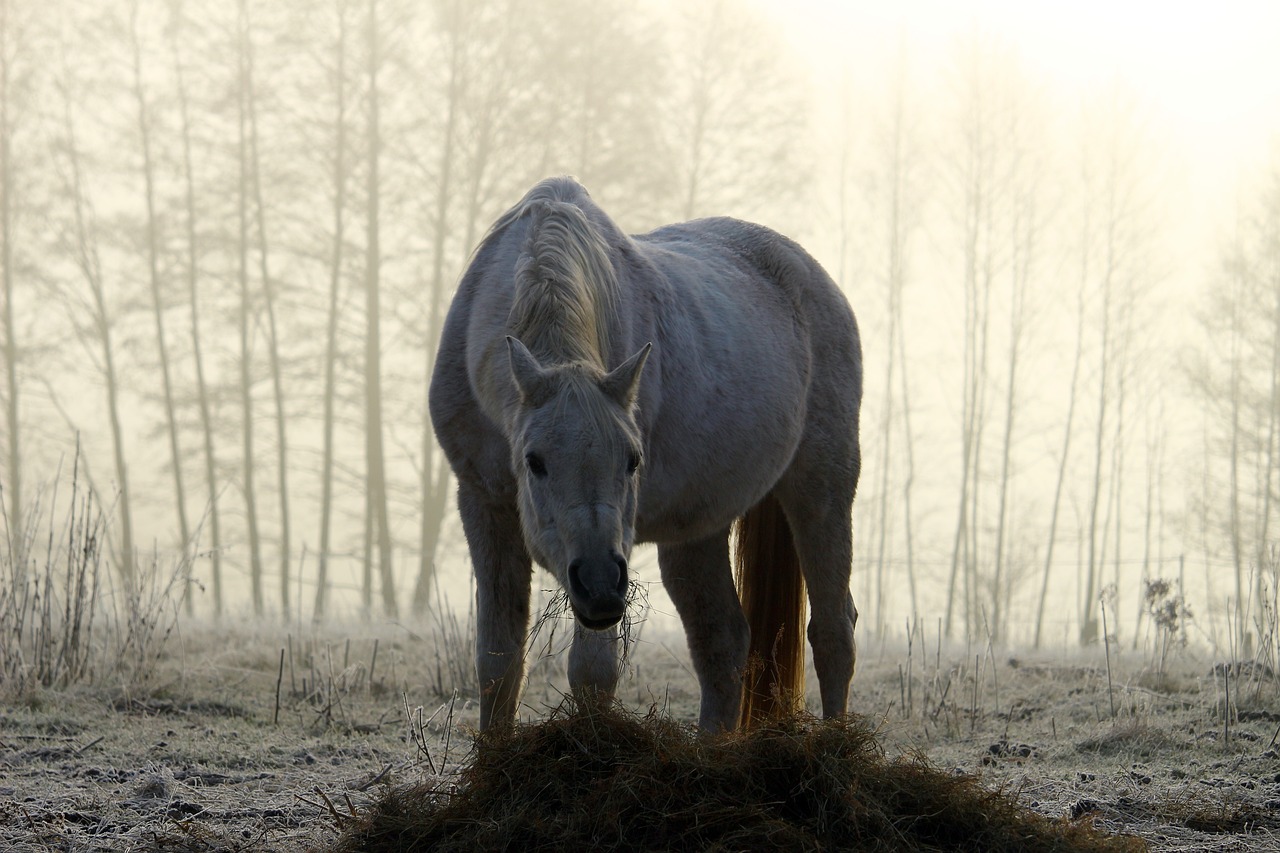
pixel 609 780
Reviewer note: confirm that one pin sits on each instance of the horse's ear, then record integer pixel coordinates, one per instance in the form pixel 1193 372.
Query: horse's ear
pixel 531 379
pixel 622 384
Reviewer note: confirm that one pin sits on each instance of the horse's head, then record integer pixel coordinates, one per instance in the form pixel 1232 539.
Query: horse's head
pixel 576 451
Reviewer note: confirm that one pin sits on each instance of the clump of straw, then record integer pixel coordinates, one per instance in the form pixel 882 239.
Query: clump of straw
pixel 606 779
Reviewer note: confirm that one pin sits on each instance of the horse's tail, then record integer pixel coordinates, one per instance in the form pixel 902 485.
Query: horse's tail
pixel 771 588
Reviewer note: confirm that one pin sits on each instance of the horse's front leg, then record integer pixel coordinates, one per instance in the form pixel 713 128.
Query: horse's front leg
pixel 503 572
pixel 699 580
pixel 593 664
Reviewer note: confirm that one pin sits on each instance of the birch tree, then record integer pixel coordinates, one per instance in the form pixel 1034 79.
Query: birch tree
pixel 93 312
pixel 377 521
pixel 153 250
pixel 176 30
pixel 245 318
pixel 270 298
pixel 339 178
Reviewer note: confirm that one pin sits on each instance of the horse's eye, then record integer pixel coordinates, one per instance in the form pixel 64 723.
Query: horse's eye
pixel 537 467
pixel 633 463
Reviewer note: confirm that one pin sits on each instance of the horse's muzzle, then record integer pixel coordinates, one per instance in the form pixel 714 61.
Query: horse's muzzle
pixel 598 590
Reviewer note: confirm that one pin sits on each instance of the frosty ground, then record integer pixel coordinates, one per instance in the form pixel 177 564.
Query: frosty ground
pixel 256 737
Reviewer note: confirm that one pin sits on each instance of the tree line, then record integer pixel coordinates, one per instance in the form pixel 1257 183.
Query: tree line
pixel 239 224
pixel 229 233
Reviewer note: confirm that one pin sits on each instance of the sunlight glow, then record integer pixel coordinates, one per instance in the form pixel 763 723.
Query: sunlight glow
pixel 1211 70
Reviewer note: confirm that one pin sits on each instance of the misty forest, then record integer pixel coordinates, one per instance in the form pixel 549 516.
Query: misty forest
pixel 229 233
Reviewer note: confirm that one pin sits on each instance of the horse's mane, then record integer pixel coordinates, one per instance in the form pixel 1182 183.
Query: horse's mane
pixel 566 290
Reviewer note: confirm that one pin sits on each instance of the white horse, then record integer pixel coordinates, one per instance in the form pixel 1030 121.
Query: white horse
pixel 594 390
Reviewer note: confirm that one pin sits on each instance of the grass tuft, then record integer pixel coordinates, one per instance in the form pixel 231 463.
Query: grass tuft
pixel 65 618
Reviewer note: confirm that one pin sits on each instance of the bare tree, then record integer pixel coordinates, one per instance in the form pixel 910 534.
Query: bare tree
pixel 1268 248
pixel 246 303
pixel 1238 381
pixel 175 31
pixel 434 481
pixel 1022 174
pixel 1116 175
pixel 737 117
pixel 250 95
pixel 377 521
pixel 97 333
pixel 153 269
pixel 1024 244
pixel 339 178
pixel 975 176
pixel 10 38
pixel 1067 432
pixel 899 166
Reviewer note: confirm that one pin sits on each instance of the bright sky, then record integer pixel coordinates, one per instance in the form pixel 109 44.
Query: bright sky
pixel 1206 74
pixel 1211 68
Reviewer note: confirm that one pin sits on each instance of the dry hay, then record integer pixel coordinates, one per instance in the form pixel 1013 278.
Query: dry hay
pixel 610 780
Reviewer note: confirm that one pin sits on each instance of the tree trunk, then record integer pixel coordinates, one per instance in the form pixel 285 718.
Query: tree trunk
pixel 909 480
pixel 433 509
pixel 886 457
pixel 202 390
pixel 87 259
pixel 273 337
pixel 331 338
pixel 246 379
pixel 1088 622
pixel 1262 557
pixel 701 91
pixel 1066 448
pixel 1237 358
pixel 1017 305
pixel 974 212
pixel 1154 466
pixel 157 300
pixel 897 277
pixel 377 485
pixel 13 494
pixel 973 555
pixel 1118 458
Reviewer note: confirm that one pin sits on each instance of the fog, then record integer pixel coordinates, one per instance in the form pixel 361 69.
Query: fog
pixel 230 232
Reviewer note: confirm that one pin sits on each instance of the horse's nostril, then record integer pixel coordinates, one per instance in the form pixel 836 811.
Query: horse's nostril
pixel 576 586
pixel 622 573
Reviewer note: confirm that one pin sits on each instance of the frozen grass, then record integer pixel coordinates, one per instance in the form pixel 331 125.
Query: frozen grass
pixel 271 737
pixel 277 739
pixel 66 616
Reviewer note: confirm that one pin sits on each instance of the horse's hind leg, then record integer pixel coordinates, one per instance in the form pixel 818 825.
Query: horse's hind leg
pixel 503 575
pixel 699 580
pixel 822 530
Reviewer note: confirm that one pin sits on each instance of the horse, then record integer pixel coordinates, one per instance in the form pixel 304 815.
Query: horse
pixel 595 390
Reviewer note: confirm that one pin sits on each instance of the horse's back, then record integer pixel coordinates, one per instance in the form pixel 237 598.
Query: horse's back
pixel 757 250
pixel 769 289
pixel 757 351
